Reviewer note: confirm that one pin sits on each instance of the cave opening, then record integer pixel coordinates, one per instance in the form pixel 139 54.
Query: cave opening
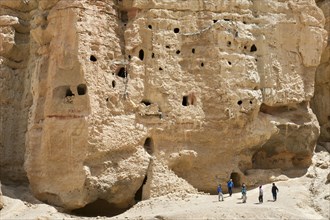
pixel 176 30
pixel 81 89
pixel 236 179
pixel 92 58
pixel 189 99
pixel 139 193
pixel 122 73
pixel 100 207
pixel 185 100
pixel 113 83
pixel 253 48
pixel 149 145
pixel 141 54
pixel 146 102
pixel 239 102
pixel 68 92
pixel 123 16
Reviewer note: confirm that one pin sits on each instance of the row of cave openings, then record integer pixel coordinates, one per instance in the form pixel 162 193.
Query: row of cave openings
pixel 187 99
pixel 253 48
pixel 123 73
pixel 81 90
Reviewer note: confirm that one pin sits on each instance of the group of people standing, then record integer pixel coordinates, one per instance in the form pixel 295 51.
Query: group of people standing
pixel 230 186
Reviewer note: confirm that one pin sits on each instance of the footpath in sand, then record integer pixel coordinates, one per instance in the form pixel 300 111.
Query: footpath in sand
pixel 306 197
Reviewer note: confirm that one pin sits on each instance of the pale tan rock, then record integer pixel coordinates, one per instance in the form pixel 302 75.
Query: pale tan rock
pixel 320 105
pixel 7 20
pixel 7 33
pixel 130 100
pixel 15 98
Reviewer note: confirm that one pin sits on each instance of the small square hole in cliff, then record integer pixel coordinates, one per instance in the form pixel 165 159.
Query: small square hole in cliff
pixel 122 72
pixel 81 89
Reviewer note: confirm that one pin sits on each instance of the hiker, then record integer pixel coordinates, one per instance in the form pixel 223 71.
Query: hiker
pixel 274 192
pixel 230 186
pixel 261 194
pixel 244 193
pixel 220 195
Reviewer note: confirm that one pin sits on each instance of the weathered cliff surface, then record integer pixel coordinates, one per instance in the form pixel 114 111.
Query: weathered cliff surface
pixel 15 98
pixel 320 101
pixel 135 99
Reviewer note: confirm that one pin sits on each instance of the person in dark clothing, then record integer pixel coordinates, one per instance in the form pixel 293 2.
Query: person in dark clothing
pixel 244 191
pixel 274 192
pixel 230 186
pixel 261 194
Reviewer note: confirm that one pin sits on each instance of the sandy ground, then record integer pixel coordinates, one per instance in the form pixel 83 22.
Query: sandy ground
pixel 306 197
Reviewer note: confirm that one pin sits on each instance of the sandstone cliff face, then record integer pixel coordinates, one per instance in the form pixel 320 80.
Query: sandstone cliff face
pixel 15 98
pixel 320 103
pixel 132 99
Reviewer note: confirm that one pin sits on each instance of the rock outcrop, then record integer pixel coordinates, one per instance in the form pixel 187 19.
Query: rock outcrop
pixel 15 94
pixel 320 103
pixel 1 198
pixel 133 99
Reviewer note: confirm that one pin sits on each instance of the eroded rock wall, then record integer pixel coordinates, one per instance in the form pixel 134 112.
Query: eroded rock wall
pixel 134 99
pixel 15 94
pixel 320 102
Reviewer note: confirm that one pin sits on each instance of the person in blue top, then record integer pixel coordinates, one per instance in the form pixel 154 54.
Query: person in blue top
pixel 230 186
pixel 220 195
